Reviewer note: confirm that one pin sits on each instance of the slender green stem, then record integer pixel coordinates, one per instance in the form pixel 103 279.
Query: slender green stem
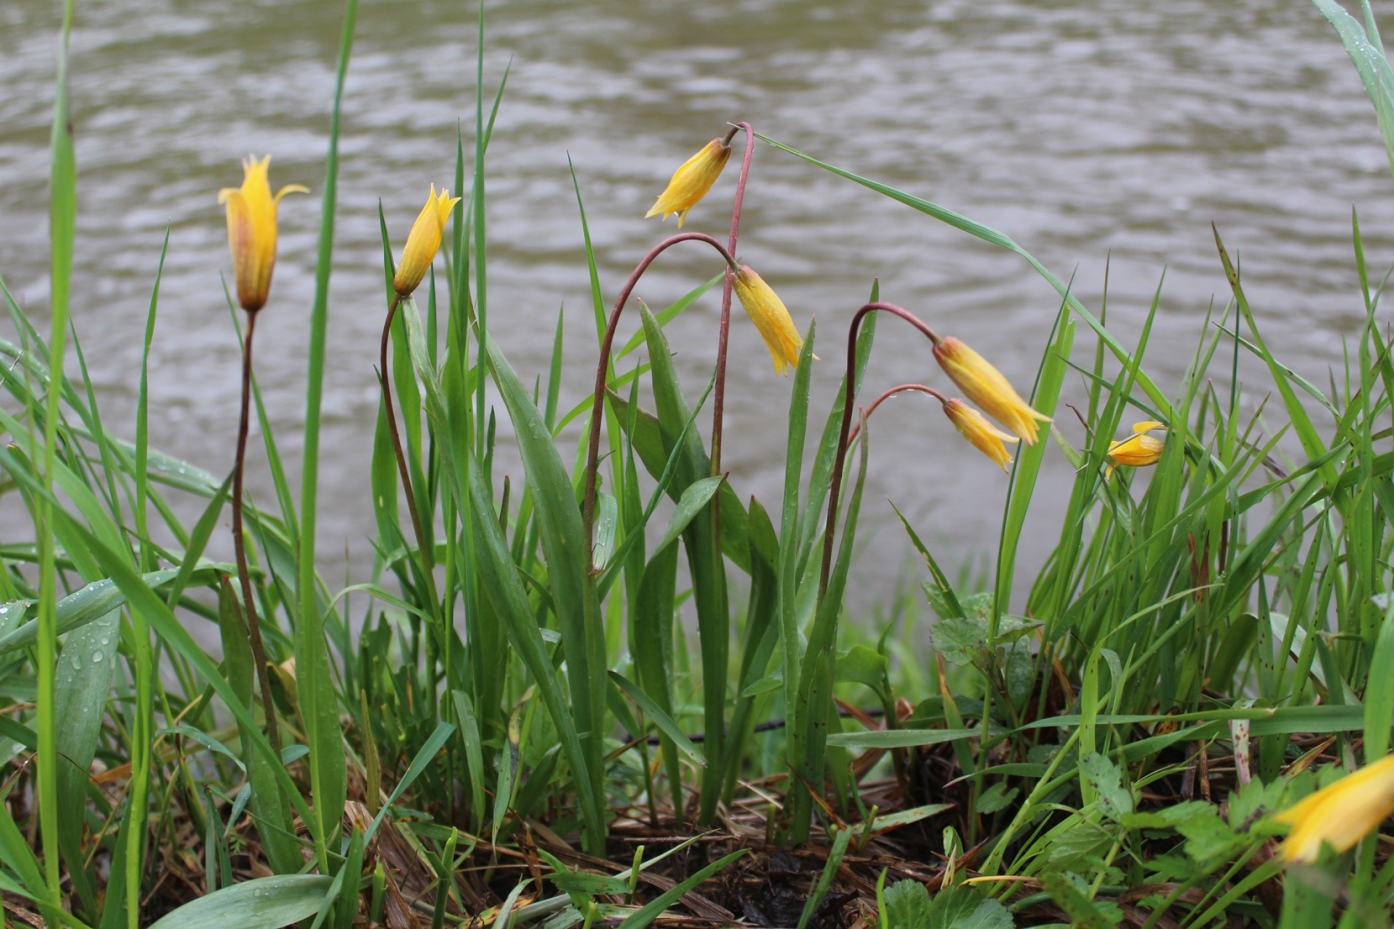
pixel 244 575
pixel 840 460
pixel 62 230
pixel 422 544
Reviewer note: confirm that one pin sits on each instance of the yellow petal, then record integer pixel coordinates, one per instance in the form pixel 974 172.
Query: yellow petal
pixel 423 241
pixel 984 436
pixel 985 386
pixel 771 318
pixel 691 181
pixel 1137 450
pixel 1341 814
pixel 251 227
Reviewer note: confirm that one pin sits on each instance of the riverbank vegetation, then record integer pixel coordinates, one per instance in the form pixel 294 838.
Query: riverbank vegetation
pixel 622 690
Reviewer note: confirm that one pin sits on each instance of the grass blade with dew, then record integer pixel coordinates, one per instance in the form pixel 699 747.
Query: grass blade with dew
pixel 62 206
pixel 128 868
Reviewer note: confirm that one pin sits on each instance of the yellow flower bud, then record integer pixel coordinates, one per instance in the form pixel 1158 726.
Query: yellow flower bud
pixel 691 181
pixel 251 230
pixel 423 241
pixel 1341 814
pixel 985 386
pixel 770 317
pixel 974 427
pixel 1137 450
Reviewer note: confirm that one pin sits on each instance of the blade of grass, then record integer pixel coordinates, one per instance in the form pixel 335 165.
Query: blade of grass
pixel 318 701
pixel 62 206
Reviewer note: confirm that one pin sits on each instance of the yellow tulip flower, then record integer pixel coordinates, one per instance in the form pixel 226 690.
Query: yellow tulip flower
pixel 251 230
pixel 985 386
pixel 1138 450
pixel 423 241
pixel 974 427
pixel 1341 814
pixel 770 317
pixel 691 181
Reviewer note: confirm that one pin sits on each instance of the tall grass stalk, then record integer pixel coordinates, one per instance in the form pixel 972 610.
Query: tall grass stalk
pixel 62 229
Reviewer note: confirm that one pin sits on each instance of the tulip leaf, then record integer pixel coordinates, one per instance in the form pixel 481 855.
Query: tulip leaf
pixel 262 903
pixel 656 450
pixel 707 568
pixel 568 562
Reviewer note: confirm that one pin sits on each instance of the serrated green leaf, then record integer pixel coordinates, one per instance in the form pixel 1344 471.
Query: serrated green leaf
pixel 1114 799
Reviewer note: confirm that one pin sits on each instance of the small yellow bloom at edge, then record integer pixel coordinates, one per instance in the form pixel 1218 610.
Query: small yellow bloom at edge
pixel 423 241
pixel 1341 814
pixel 691 181
pixel 251 230
pixel 1138 450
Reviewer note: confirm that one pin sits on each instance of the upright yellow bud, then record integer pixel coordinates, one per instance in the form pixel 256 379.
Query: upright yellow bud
pixel 974 427
pixel 423 241
pixel 1341 814
pixel 251 230
pixel 691 181
pixel 984 385
pixel 1137 450
pixel 770 317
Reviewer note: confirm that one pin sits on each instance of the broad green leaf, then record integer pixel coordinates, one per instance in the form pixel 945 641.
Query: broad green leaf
pixel 262 903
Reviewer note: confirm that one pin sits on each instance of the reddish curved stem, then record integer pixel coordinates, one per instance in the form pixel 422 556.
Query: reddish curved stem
pixel 244 576
pixel 839 461
pixel 422 544
pixel 898 389
pixel 606 346
pixel 724 331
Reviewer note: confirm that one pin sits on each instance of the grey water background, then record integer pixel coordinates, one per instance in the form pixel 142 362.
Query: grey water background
pixel 1092 132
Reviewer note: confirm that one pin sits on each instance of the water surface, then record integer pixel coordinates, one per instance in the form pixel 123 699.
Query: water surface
pixel 1095 133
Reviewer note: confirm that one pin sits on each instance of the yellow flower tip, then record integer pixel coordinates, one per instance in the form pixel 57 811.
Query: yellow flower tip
pixel 983 435
pixel 770 316
pixel 1138 450
pixel 691 181
pixel 251 229
pixel 1340 814
pixel 423 241
pixel 985 386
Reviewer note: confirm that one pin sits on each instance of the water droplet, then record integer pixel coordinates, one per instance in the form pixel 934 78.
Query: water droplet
pixel 77 663
pixel 96 656
pixel 106 640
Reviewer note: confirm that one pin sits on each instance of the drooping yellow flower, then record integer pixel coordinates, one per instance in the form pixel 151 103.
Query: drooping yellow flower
pixel 1138 450
pixel 423 241
pixel 984 385
pixel 770 317
pixel 974 427
pixel 1341 814
pixel 251 230
pixel 691 181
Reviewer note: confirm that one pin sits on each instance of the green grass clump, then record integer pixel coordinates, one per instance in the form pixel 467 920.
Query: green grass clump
pixel 509 717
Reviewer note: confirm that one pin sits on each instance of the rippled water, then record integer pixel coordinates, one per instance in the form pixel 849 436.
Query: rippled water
pixel 1092 131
